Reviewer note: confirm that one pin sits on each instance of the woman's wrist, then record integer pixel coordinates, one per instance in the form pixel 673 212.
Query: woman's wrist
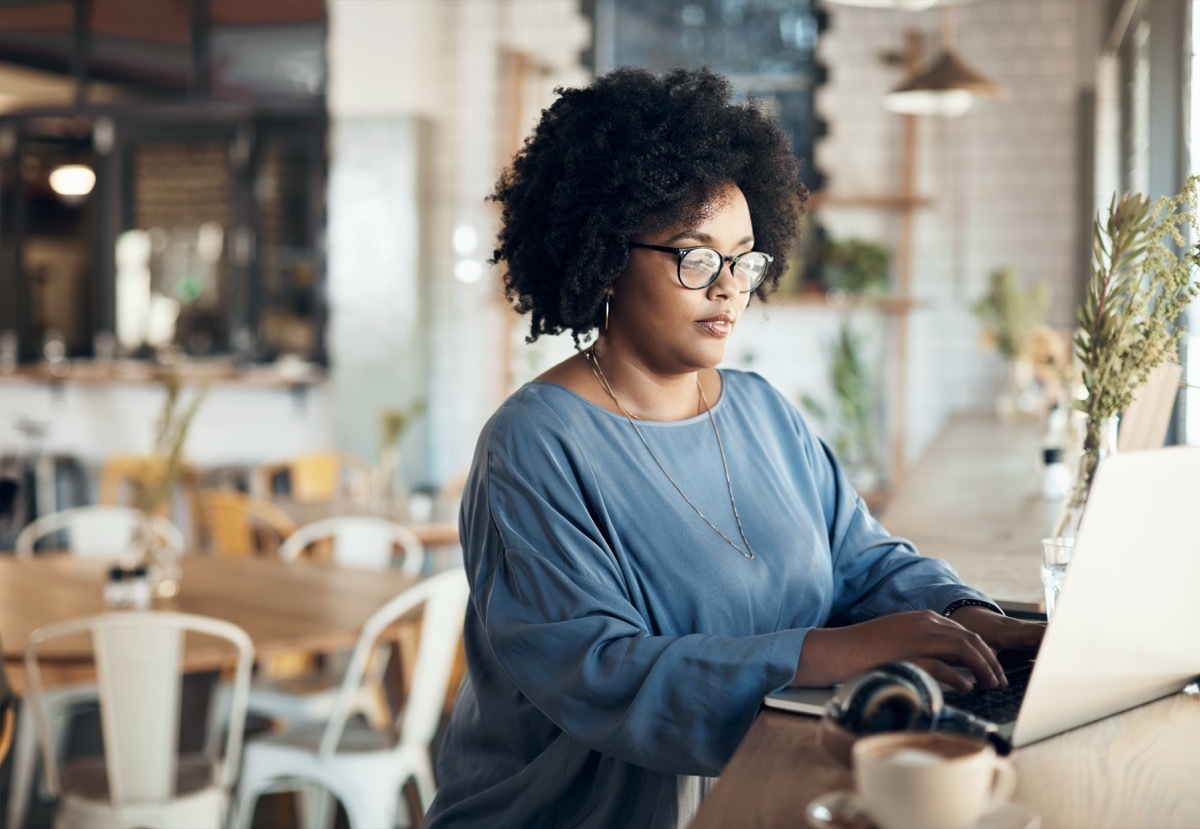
pixel 818 665
pixel 956 606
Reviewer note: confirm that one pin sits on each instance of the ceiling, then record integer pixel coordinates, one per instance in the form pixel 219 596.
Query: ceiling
pixel 144 45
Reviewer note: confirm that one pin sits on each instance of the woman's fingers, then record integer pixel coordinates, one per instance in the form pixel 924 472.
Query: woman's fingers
pixel 945 639
pixel 832 655
pixel 945 674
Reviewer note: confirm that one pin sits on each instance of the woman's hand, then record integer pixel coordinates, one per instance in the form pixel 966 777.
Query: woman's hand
pixel 927 639
pixel 1000 632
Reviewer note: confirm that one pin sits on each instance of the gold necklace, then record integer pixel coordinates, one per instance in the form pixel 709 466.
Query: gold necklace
pixel 593 361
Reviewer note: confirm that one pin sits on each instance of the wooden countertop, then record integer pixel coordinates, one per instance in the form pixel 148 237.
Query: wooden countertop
pixel 974 498
pixel 1137 769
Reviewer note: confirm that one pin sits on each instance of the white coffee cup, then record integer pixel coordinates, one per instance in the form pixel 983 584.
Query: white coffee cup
pixel 929 780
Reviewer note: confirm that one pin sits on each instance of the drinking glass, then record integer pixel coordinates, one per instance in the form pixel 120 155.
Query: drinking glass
pixel 1056 555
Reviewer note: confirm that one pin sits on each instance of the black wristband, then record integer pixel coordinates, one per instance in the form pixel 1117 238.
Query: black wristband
pixel 953 606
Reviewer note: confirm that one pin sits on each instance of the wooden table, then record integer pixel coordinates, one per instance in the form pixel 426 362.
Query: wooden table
pixel 283 607
pixel 974 498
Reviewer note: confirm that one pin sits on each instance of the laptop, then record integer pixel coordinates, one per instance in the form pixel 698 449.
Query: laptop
pixel 1126 625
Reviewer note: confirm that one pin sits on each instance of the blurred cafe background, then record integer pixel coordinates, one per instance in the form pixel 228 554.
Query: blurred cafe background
pixel 282 202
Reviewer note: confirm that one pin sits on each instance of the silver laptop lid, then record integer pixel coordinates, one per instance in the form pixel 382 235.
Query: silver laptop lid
pixel 1127 622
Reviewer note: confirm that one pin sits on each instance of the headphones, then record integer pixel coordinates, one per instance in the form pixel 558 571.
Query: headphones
pixel 899 696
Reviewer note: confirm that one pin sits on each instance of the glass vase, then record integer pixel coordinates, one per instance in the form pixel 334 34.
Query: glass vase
pixel 387 491
pixel 163 567
pixel 1021 395
pixel 1099 442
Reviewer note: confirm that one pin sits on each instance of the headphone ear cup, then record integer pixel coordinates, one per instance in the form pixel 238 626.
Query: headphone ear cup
pixel 896 696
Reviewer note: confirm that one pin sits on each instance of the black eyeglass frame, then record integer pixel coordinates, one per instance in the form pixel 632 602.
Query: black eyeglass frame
pixel 732 260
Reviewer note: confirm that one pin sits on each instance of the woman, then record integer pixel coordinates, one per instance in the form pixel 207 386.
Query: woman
pixel 653 544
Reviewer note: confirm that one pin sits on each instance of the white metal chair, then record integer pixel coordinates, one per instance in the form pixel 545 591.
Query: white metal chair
pixel 142 779
pixel 96 531
pixel 364 768
pixel 360 541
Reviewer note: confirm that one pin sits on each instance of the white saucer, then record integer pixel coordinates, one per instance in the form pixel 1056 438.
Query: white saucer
pixel 842 810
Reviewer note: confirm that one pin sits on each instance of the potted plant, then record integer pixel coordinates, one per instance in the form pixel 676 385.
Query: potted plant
pixel 854 410
pixel 153 481
pixel 1012 318
pixel 856 266
pixel 393 423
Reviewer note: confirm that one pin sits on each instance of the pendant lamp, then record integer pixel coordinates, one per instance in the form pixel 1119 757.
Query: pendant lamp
pixel 947 88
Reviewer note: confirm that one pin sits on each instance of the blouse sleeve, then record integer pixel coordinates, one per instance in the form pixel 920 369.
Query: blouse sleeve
pixel 876 573
pixel 554 602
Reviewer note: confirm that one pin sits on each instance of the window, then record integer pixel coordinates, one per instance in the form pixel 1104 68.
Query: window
pixel 203 127
pixel 766 48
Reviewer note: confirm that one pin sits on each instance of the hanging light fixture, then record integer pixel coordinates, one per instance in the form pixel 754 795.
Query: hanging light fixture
pixel 947 88
pixel 72 182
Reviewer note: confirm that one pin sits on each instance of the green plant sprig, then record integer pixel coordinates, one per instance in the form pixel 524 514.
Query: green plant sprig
pixel 1141 283
pixel 156 479
pixel 1011 312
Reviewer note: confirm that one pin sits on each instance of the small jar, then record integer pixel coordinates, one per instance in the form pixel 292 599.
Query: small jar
pixel 139 590
pixel 116 589
pixel 1056 475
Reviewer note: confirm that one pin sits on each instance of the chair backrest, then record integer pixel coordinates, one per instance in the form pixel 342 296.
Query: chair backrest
pixel 96 531
pixel 232 520
pixel 139 657
pixel 118 472
pixel 316 476
pixel 1145 422
pixel 6 715
pixel 444 600
pixel 360 541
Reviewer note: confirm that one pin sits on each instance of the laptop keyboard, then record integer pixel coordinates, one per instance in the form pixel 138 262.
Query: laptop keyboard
pixel 999 705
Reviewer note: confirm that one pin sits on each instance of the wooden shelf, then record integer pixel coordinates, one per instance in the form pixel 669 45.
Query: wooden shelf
pixel 94 372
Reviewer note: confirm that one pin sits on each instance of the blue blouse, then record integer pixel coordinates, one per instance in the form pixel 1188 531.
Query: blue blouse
pixel 614 641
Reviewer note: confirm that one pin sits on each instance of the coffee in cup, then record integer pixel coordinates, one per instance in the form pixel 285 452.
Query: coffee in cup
pixel 929 780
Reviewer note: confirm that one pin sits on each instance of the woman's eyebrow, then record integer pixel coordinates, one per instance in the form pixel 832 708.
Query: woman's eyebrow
pixel 701 236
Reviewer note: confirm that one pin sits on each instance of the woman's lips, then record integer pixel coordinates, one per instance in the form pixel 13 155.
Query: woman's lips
pixel 718 326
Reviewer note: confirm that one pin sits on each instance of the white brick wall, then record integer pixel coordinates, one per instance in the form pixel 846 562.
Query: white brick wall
pixel 1002 180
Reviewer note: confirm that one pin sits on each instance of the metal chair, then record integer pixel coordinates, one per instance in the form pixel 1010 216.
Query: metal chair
pixel 362 767
pixel 92 531
pixel 7 701
pixel 96 531
pixel 142 780
pixel 239 524
pixel 360 541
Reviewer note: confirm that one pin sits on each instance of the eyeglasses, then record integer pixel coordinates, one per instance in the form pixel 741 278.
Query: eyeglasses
pixel 699 267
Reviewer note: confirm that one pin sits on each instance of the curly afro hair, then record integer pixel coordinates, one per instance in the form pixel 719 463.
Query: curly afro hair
pixel 633 152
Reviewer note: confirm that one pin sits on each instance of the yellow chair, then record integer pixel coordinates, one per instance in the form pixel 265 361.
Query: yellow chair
pixel 7 701
pixel 235 523
pixel 117 474
pixel 315 477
